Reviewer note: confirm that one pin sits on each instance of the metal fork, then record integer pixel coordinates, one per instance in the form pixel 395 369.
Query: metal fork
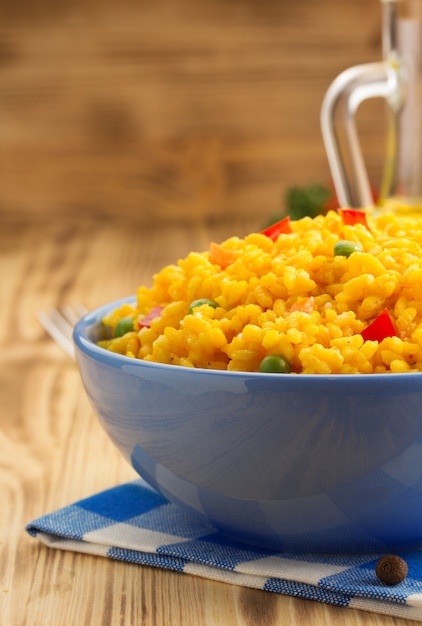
pixel 59 324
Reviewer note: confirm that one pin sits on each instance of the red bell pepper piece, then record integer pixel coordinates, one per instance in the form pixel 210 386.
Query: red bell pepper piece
pixel 221 256
pixel 351 217
pixel 380 328
pixel 273 231
pixel 145 322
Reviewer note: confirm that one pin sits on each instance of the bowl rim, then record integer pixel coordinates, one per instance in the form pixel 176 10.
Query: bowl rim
pixel 83 343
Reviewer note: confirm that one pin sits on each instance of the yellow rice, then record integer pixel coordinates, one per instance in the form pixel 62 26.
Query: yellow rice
pixel 293 297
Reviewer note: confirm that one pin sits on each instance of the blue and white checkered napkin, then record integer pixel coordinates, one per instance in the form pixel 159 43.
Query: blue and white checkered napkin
pixel 134 523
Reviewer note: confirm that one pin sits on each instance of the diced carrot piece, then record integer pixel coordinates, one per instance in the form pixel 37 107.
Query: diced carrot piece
pixel 306 305
pixel 221 256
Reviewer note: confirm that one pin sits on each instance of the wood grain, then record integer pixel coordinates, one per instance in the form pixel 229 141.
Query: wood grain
pixel 54 452
pixel 173 109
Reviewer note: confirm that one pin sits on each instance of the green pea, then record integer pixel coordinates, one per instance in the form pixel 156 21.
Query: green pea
pixel 345 248
pixel 125 325
pixel 276 364
pixel 196 303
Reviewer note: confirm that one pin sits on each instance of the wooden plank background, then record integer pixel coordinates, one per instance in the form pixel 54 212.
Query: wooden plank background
pixel 173 109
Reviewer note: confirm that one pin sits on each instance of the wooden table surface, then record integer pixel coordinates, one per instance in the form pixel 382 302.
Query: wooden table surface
pixel 54 452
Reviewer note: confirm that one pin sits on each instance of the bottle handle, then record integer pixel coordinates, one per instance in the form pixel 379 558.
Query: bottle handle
pixel 338 125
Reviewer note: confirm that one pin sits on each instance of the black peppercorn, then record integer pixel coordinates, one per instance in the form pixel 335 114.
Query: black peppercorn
pixel 391 569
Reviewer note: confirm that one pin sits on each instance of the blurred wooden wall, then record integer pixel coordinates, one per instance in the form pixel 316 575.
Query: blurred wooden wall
pixel 173 109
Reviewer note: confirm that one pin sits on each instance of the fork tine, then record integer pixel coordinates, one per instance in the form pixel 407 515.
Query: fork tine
pixel 73 314
pixel 59 325
pixel 58 329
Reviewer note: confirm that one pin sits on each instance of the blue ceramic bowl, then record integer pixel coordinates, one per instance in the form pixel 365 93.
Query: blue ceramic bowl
pixel 293 463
